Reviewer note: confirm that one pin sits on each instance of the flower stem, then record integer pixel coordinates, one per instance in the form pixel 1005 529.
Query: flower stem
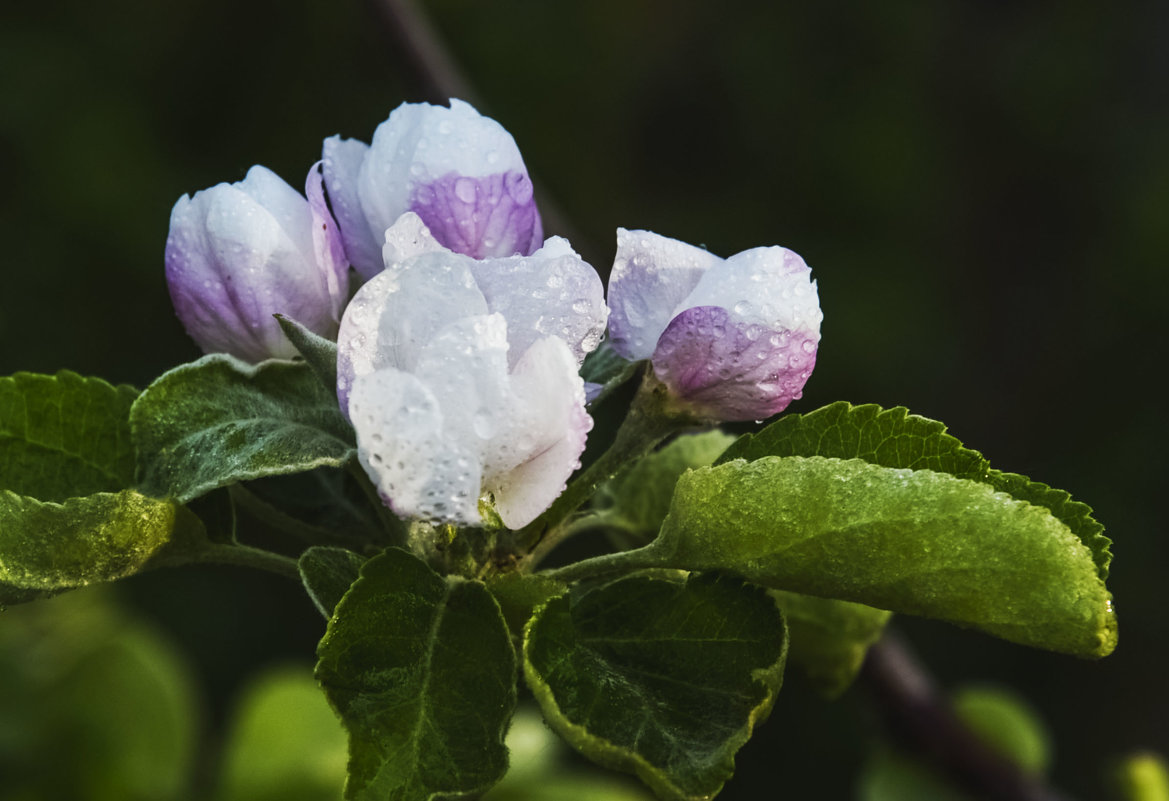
pixel 651 419
pixel 247 556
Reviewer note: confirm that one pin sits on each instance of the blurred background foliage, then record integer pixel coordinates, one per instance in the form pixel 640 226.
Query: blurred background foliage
pixel 982 190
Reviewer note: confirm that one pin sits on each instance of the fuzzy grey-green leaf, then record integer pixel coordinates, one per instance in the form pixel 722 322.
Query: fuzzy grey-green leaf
pixel 47 548
pixel 319 353
pixel 914 541
pixel 63 436
pixel 422 671
pixel 662 677
pixel 327 574
pixel 219 420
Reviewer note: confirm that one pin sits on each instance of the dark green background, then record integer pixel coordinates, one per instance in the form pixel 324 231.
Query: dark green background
pixel 981 188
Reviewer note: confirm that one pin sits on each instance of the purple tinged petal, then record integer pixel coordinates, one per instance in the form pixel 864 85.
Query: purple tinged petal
pixel 651 279
pixel 459 171
pixel 736 338
pixel 733 370
pixel 340 164
pixel 328 248
pixel 236 255
pixel 490 215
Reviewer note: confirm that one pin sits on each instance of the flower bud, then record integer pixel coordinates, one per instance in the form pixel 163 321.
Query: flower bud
pixel 460 376
pixel 239 253
pixel 460 172
pixel 734 338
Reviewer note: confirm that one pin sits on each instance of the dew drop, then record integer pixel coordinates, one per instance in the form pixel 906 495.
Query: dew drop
pixel 466 190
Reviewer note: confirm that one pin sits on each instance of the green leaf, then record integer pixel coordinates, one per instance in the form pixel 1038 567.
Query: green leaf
pixel 662 678
pixel 829 638
pixel 216 421
pixel 327 574
pixel 639 498
pixel 422 671
pixel 96 704
pixel 63 436
pixel 1006 723
pixel 518 595
pixel 285 743
pixel 896 438
pixel 46 548
pixel 540 772
pixel 607 369
pixel 1142 777
pixel 887 437
pixel 319 353
pixel 890 776
pixel 912 541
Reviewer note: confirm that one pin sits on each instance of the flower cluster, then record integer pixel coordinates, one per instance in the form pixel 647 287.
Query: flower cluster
pixel 459 356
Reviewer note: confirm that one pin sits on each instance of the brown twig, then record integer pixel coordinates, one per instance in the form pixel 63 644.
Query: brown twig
pixel 922 720
pixel 914 709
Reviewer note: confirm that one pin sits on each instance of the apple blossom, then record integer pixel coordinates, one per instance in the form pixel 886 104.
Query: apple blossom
pixel 460 376
pixel 239 253
pixel 459 171
pixel 734 338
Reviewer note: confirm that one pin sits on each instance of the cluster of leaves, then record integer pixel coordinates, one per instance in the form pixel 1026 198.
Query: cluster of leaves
pixel 658 659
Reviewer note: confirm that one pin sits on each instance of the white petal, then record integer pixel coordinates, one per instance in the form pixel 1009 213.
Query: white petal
pixel 283 203
pixel 341 162
pixel 408 237
pixel 652 275
pixel 419 470
pixel 465 366
pixel 769 286
pixel 394 315
pixel 541 446
pixel 553 292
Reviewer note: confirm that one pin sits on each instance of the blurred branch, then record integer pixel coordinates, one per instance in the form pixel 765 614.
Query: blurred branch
pixel 430 69
pixel 921 719
pixel 433 74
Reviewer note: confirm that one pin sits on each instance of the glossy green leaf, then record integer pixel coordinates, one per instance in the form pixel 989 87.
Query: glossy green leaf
pixel 829 638
pixel 913 541
pixel 896 438
pixel 63 436
pixel 285 743
pixel 662 677
pixel 216 421
pixel 639 498
pixel 422 671
pixel 46 548
pixel 327 574
pixel 319 353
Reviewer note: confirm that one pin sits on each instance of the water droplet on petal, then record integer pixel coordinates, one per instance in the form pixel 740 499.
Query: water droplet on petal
pixel 466 189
